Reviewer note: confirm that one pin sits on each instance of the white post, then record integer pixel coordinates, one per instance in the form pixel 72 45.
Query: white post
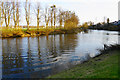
pixel 119 10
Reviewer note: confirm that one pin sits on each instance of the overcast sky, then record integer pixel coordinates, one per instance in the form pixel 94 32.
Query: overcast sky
pixel 87 10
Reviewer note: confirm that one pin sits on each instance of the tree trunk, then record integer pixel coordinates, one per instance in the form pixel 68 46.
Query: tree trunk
pixel 54 18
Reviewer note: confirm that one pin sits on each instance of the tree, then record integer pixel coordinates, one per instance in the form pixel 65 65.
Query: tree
pixel 74 19
pixel 85 25
pixel 1 15
pixel 16 14
pixel 53 15
pixel 37 12
pixel 108 20
pixel 54 8
pixel 71 20
pixel 51 18
pixel 66 17
pixel 27 12
pixel 47 16
pixel 90 23
pixel 60 16
pixel 7 11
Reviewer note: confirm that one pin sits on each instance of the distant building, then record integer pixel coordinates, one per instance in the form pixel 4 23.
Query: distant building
pixel 119 10
pixel 117 23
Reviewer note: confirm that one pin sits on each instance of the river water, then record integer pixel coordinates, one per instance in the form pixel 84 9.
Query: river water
pixel 39 57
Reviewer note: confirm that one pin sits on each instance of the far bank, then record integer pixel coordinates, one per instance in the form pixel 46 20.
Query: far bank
pixel 11 32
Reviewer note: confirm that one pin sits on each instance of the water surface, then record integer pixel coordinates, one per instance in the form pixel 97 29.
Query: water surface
pixel 39 57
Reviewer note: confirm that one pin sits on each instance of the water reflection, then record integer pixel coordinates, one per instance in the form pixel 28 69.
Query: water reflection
pixel 119 38
pixel 36 57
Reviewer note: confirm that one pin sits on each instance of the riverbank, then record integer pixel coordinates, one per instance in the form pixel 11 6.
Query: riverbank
pixel 109 27
pixel 10 33
pixel 104 65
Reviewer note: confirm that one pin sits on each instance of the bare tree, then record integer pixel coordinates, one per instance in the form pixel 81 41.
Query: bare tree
pixel 1 15
pixel 60 16
pixel 37 12
pixel 16 14
pixel 66 16
pixel 47 16
pixel 54 8
pixel 108 20
pixel 7 11
pixel 51 18
pixel 27 13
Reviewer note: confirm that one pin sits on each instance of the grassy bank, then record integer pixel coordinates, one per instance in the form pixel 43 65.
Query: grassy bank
pixel 102 66
pixel 8 33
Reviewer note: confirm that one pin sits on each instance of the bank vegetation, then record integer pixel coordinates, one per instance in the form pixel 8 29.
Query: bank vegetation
pixel 55 20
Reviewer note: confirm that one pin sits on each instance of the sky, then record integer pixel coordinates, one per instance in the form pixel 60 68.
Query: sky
pixel 87 10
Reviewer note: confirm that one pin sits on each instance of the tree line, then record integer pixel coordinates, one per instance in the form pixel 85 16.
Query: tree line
pixel 52 16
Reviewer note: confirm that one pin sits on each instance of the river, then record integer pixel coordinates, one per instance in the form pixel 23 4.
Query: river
pixel 39 57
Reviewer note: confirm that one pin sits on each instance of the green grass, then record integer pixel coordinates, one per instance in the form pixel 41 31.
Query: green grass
pixel 104 66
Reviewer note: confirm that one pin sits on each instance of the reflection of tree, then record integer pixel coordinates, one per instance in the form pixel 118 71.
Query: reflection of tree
pixel 11 58
pixel 8 47
pixel 38 47
pixel 70 41
pixel 4 57
pixel 55 51
pixel 3 48
pixel 7 57
pixel 29 56
pixel 53 46
pixel 57 45
pixel 105 38
pixel 61 42
pixel 119 38
pixel 47 37
pixel 19 60
pixel 48 44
